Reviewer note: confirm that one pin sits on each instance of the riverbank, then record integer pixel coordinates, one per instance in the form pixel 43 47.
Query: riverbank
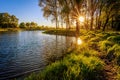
pixel 19 29
pixel 9 29
pixel 64 32
pixel 23 29
pixel 97 58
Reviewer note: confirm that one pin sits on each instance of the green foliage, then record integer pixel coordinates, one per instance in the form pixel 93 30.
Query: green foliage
pixel 86 50
pixel 118 76
pixel 72 67
pixel 118 73
pixel 22 25
pixel 61 32
pixel 114 53
pixel 83 67
pixel 54 71
pixel 8 21
pixel 115 39
pixel 105 45
pixel 28 25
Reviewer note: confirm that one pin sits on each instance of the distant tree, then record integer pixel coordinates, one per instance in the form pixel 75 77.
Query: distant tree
pixel 28 24
pixel 22 25
pixel 33 24
pixel 8 21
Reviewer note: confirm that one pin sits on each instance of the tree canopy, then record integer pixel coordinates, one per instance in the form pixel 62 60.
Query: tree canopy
pixel 98 14
pixel 8 21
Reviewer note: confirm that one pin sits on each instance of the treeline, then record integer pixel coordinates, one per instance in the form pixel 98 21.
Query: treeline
pixel 8 21
pixel 98 14
pixel 11 21
pixel 28 25
pixel 33 26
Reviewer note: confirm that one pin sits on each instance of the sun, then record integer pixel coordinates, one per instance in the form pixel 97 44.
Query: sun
pixel 81 19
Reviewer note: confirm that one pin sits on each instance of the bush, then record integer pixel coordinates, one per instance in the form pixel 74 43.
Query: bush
pixel 72 67
pixel 81 67
pixel 118 73
pixel 115 39
pixel 105 45
pixel 54 71
pixel 114 53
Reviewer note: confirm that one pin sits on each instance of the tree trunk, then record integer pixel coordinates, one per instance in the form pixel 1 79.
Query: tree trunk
pixel 91 24
pixel 77 28
pixel 104 26
pixel 56 22
pixel 112 23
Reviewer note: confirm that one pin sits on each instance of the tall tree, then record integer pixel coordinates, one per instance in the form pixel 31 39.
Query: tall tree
pixel 7 20
pixel 50 9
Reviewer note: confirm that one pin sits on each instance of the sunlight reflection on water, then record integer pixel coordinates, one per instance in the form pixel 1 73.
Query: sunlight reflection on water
pixel 79 41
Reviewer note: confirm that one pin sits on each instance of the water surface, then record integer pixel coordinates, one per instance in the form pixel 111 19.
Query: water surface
pixel 22 52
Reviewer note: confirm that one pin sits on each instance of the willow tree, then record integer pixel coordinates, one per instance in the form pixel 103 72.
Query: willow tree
pixel 65 12
pixel 50 9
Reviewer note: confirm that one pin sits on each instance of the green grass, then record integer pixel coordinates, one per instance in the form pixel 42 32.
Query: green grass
pixel 114 54
pixel 72 67
pixel 1 30
pixel 61 32
pixel 105 45
pixel 118 73
pixel 9 29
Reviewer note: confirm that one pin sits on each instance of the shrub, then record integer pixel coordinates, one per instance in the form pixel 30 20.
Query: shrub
pixel 118 73
pixel 114 53
pixel 54 71
pixel 88 68
pixel 72 67
pixel 115 39
pixel 105 45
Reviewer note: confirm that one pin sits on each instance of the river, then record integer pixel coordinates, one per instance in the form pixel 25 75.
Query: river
pixel 24 52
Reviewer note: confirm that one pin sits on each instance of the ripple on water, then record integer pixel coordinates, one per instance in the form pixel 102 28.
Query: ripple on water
pixel 22 52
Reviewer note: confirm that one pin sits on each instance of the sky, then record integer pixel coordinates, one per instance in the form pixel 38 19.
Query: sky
pixel 25 11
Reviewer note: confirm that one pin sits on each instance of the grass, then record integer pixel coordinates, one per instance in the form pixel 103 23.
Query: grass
pixel 118 73
pixel 9 29
pixel 61 32
pixel 1 30
pixel 72 67
pixel 85 62
pixel 114 54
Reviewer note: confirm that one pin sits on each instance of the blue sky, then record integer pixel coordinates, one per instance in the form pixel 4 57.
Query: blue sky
pixel 25 10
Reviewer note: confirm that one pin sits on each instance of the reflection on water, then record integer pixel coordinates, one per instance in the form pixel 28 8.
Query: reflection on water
pixel 79 41
pixel 22 52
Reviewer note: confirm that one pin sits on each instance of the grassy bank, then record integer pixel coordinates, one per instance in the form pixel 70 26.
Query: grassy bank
pixel 61 32
pixel 97 58
pixel 25 29
pixel 20 29
pixel 9 29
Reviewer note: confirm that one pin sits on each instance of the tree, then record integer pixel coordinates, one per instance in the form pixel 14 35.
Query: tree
pixel 98 14
pixel 22 25
pixel 33 24
pixel 28 24
pixel 8 21
pixel 50 9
